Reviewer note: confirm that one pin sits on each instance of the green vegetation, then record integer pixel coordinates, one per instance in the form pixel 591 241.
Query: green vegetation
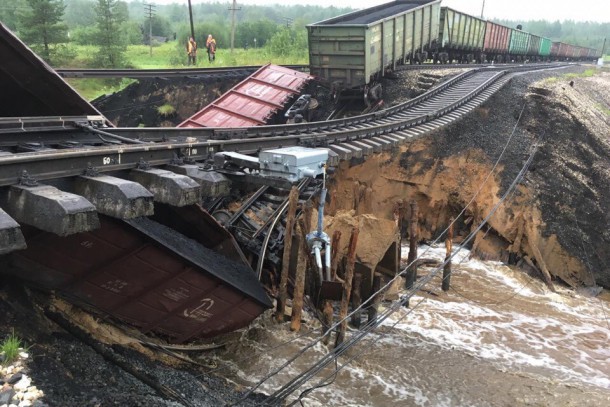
pixel 42 26
pixel 10 348
pixel 93 88
pixel 586 74
pixel 603 109
pixel 113 33
pixel 166 110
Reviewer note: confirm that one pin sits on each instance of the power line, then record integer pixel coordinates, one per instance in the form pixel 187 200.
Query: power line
pixel 233 9
pixel 149 10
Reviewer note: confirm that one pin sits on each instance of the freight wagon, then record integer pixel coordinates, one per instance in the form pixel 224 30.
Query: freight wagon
pixel 353 51
pixel 461 37
pixel 495 44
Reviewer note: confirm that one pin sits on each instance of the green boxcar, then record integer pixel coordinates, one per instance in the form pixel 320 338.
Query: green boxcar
pixel 519 42
pixel 461 31
pixel 545 47
pixel 351 50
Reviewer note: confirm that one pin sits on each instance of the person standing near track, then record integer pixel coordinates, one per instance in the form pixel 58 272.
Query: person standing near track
pixel 191 50
pixel 211 46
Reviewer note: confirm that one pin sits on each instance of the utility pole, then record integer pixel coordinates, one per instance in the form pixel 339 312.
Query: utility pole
pixel 149 10
pixel 289 21
pixel 482 8
pixel 191 17
pixel 233 9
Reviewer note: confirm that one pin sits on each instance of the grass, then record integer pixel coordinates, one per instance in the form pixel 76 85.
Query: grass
pixel 166 55
pixel 93 88
pixel 603 109
pixel 10 348
pixel 166 110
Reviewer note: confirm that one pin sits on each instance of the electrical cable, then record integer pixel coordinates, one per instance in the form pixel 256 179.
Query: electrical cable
pixel 335 325
pixel 287 389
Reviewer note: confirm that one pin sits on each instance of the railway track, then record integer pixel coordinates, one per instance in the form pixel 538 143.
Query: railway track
pixel 225 72
pixel 55 147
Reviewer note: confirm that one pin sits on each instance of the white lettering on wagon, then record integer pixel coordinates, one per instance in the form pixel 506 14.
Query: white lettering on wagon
pixel 200 313
pixel 116 286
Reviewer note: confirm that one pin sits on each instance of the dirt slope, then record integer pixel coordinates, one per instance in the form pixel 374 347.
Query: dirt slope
pixel 558 216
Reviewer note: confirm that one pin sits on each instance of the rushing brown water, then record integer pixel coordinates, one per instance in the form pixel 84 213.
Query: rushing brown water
pixel 497 338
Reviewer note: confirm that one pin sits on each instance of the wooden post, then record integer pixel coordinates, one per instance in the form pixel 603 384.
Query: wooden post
pixel 374 309
pixel 299 286
pixel 412 270
pixel 542 264
pixel 334 259
pixel 347 285
pixel 357 300
pixel 327 320
pixel 445 284
pixel 292 209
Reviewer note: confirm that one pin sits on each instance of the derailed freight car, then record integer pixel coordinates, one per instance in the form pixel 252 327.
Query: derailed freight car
pixel 353 51
pixel 461 37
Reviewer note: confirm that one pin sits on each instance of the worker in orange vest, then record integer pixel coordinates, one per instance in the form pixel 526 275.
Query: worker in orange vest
pixel 191 50
pixel 211 46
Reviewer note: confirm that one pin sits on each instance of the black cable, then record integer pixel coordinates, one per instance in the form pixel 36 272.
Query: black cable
pixel 287 389
pixel 302 351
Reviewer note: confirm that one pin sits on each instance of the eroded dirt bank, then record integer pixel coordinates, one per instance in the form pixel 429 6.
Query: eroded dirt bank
pixel 557 218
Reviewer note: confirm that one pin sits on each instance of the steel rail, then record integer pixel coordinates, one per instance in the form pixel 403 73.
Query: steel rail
pixel 165 73
pixel 74 161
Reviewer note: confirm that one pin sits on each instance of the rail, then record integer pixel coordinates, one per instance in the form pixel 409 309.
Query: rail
pixel 199 144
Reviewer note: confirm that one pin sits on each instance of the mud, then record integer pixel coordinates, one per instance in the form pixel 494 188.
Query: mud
pixel 136 105
pixel 557 210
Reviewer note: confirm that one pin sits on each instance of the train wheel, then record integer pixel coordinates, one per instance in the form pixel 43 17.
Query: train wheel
pixel 373 94
pixel 222 216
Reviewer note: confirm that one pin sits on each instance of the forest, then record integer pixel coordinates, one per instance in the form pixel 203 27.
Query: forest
pixel 113 33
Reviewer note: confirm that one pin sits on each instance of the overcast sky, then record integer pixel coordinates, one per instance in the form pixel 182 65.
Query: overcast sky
pixel 579 10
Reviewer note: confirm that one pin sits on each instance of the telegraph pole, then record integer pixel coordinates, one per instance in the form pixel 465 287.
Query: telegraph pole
pixel 191 17
pixel 149 10
pixel 482 8
pixel 233 9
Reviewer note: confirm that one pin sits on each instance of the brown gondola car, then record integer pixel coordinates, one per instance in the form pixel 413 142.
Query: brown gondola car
pixel 146 274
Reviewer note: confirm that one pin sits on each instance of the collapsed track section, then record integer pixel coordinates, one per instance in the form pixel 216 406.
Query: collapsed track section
pixel 67 176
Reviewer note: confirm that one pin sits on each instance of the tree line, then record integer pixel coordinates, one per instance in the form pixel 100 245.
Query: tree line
pixel 49 26
pixel 585 34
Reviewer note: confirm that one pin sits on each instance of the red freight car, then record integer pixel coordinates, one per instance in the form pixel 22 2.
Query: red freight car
pixel 496 41
pixel 252 102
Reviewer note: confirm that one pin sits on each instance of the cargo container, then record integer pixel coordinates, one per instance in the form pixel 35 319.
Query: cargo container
pixel 545 47
pixel 355 49
pixel 497 38
pixel 592 54
pixel 461 35
pixel 519 42
pixel 566 51
pixel 533 47
pixel 255 101
pixel 555 48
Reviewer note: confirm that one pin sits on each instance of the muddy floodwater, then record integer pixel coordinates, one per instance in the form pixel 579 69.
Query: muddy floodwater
pixel 498 338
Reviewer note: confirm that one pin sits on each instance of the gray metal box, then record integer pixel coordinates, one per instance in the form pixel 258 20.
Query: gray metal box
pixel 293 163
